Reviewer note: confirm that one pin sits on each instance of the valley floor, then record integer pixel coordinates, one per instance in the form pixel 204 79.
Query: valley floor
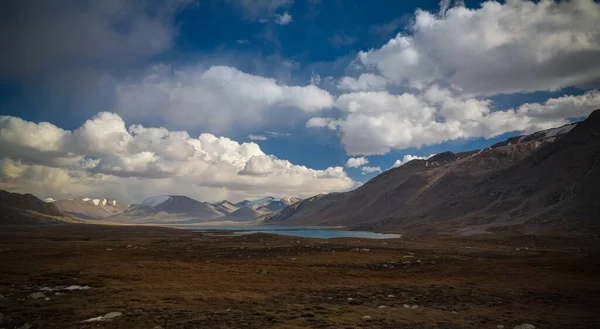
pixel 182 279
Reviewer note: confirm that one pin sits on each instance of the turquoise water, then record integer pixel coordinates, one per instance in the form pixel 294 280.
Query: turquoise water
pixel 300 231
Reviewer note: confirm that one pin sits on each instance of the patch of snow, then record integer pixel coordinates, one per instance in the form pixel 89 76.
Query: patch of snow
pixel 114 202
pixel 155 200
pixel 86 199
pixel 75 287
pixel 558 131
pixel 104 202
pixel 96 201
pixel 37 295
pixel 48 200
pixel 107 317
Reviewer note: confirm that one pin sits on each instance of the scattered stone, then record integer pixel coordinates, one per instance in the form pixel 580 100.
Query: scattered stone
pixel 525 326
pixel 365 250
pixel 227 310
pixel 37 295
pixel 382 306
pixel 500 326
pixel 406 306
pixel 47 298
pixel 57 294
pixel 349 299
pixel 366 317
pixel 107 317
pixel 415 306
pixel 129 246
pixel 391 296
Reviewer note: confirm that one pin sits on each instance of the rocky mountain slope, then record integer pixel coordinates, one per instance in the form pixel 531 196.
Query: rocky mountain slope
pixel 242 214
pixel 27 209
pixel 87 208
pixel 545 181
pixel 225 207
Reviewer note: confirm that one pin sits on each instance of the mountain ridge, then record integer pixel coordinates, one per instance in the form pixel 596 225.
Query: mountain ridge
pixel 484 190
pixel 27 209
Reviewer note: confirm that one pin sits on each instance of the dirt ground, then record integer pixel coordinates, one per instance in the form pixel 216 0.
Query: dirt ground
pixel 182 279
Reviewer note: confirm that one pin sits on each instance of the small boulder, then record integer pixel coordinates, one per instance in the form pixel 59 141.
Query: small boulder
pixel 366 317
pixel 382 306
pixel 406 306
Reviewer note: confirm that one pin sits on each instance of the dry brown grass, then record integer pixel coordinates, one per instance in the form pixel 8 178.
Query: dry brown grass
pixel 182 279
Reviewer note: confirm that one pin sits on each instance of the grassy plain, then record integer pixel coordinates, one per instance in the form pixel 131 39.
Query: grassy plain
pixel 183 279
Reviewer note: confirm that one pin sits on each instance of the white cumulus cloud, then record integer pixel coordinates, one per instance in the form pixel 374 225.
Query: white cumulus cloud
pixel 365 82
pixel 377 122
pixel 105 157
pixel 283 19
pixel 368 170
pixel 217 99
pixel 499 48
pixel 356 162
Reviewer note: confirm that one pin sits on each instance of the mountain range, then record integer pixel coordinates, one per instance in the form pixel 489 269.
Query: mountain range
pixel 546 181
pixel 170 209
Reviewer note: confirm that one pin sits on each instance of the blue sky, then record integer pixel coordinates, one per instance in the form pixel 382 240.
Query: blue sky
pixel 440 76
